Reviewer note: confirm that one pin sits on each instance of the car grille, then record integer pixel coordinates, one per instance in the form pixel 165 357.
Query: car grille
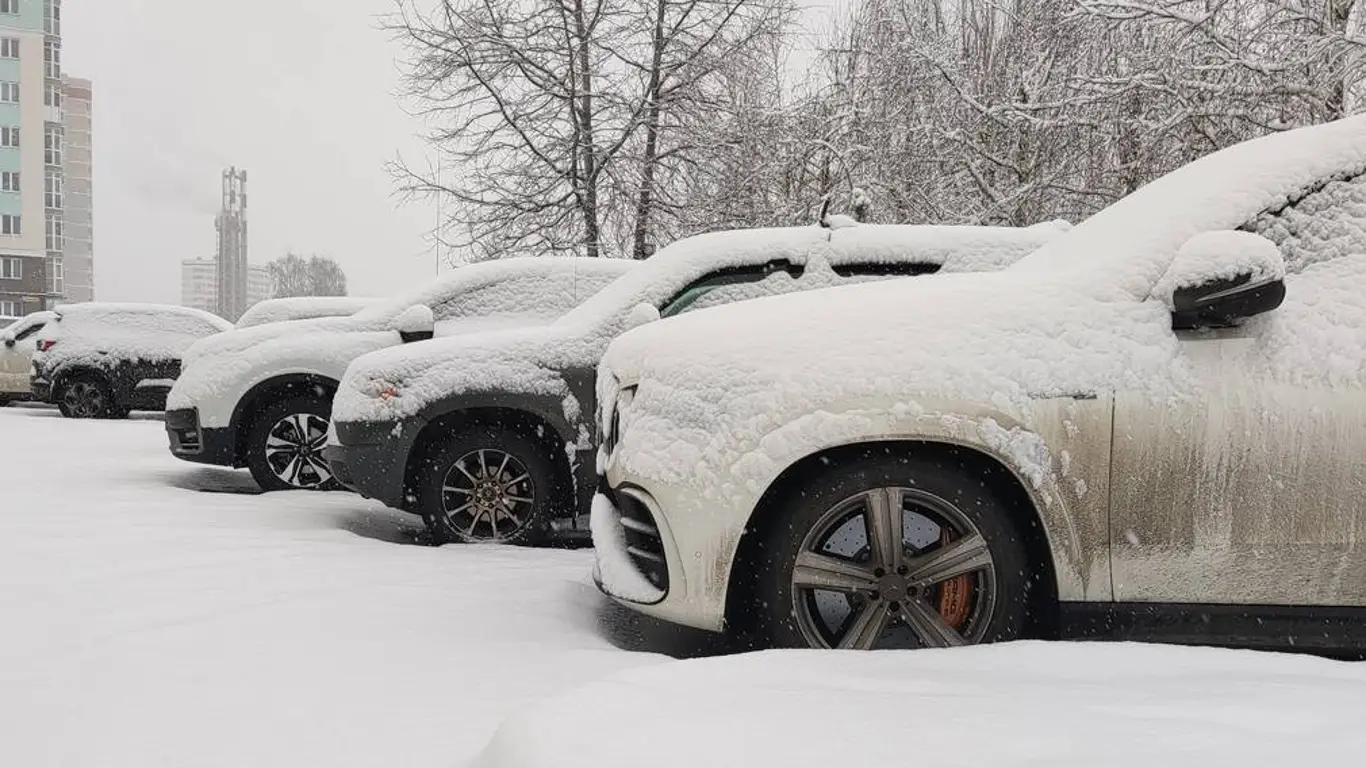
pixel 644 545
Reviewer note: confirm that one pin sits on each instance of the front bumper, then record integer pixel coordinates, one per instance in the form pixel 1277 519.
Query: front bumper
pixel 371 458
pixel 191 442
pixel 41 389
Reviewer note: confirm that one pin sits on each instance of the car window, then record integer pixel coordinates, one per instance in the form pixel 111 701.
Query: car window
pixel 29 331
pixel 729 286
pixel 525 294
pixel 1323 223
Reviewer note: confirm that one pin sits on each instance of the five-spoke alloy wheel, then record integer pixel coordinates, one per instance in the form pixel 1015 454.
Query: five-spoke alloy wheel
pixel 893 552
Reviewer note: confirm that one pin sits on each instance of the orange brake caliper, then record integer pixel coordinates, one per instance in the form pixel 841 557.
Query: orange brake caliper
pixel 955 595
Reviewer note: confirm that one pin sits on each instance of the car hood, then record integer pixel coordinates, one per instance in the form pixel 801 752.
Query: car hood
pixel 310 348
pixel 997 339
pixel 398 383
pixel 240 339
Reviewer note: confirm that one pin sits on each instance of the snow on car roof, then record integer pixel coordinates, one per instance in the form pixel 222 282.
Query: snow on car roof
pixel 693 257
pixel 302 308
pixel 1127 246
pixel 96 309
pixel 471 276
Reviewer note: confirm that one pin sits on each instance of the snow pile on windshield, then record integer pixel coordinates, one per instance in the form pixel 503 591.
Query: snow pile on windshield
pixel 302 308
pixel 519 291
pixel 533 363
pixel 1323 224
pixel 1123 250
pixel 103 334
pixel 1215 256
pixel 1015 705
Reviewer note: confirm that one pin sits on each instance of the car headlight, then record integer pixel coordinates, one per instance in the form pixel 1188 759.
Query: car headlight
pixel 613 427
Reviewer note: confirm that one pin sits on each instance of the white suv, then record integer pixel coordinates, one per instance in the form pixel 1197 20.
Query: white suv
pixel 17 344
pixel 261 397
pixel 1125 433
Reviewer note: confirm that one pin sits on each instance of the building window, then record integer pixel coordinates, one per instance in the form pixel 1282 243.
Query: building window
pixel 9 136
pixel 9 224
pixel 52 145
pixel 9 181
pixel 11 268
pixel 52 95
pixel 55 240
pixel 52 17
pixel 9 308
pixel 9 92
pixel 52 59
pixel 9 6
pixel 9 47
pixel 56 278
pixel 52 191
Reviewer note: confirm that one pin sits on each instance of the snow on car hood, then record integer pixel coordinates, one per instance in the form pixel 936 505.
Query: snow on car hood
pixel 308 347
pixel 731 375
pixel 397 383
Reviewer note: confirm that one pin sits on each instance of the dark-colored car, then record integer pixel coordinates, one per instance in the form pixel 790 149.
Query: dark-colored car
pixel 490 438
pixel 103 360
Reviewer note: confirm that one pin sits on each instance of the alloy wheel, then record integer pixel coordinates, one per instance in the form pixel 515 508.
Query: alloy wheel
pixel 488 494
pixel 893 568
pixel 84 399
pixel 294 450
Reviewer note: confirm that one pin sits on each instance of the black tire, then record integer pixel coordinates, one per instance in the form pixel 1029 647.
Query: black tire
pixel 296 430
pixel 85 396
pixel 997 594
pixel 524 522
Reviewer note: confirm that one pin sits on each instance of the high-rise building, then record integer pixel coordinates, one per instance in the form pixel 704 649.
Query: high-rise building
pixel 72 274
pixel 199 284
pixel 232 246
pixel 30 154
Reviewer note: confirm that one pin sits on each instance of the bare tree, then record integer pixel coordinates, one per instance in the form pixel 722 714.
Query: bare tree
pixel 294 275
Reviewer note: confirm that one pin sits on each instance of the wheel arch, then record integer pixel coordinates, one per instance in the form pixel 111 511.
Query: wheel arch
pixel 274 388
pixel 992 469
pixel 531 419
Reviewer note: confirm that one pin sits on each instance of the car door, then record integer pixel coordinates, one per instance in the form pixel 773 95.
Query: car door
pixel 1253 492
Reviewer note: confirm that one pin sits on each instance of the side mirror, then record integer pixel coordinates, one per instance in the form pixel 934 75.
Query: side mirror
pixel 1221 278
pixel 415 324
pixel 9 340
pixel 642 314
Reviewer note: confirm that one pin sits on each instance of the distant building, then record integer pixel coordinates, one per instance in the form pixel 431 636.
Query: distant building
pixel 73 274
pixel 199 284
pixel 232 262
pixel 31 188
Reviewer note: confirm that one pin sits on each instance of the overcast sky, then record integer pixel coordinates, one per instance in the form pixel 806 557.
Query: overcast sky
pixel 301 93
pixel 298 92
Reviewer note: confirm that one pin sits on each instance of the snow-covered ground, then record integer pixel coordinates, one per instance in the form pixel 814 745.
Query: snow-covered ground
pixel 145 622
pixel 150 616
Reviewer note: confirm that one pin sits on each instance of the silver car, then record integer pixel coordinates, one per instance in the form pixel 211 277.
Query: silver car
pixel 1153 427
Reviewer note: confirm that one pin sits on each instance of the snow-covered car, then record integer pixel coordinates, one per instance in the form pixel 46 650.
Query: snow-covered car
pixel 490 439
pixel 302 308
pixel 261 397
pixel 18 340
pixel 104 359
pixel 1125 433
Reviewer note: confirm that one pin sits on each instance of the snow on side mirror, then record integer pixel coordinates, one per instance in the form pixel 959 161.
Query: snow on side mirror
pixel 641 314
pixel 1220 278
pixel 415 324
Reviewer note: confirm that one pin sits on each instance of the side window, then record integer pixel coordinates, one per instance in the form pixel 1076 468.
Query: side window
pixel 1327 222
pixel 29 331
pixel 526 294
pixel 729 286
